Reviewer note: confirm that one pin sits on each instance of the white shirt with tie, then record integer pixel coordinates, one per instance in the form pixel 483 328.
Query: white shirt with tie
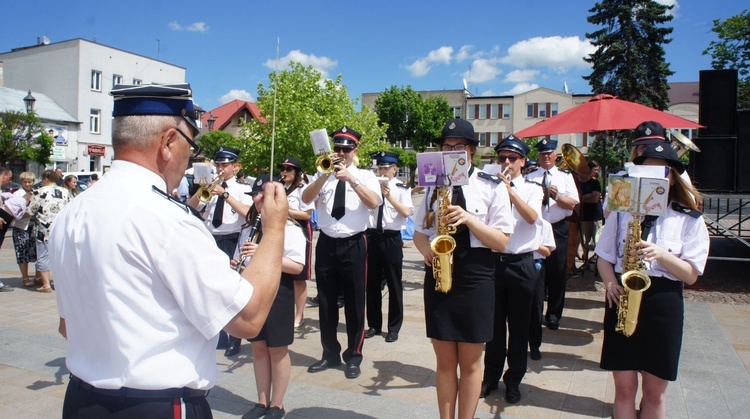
pixel 566 186
pixel 392 220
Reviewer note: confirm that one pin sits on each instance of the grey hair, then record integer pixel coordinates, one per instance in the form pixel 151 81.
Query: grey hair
pixel 137 131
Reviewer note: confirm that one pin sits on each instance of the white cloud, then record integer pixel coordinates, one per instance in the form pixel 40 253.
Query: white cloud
pixel 521 88
pixel 322 64
pixel 422 66
pixel 674 3
pixel 464 53
pixel 233 94
pixel 520 76
pixel 194 27
pixel 482 70
pixel 554 51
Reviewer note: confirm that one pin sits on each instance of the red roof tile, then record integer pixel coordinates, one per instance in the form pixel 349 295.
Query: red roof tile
pixel 225 113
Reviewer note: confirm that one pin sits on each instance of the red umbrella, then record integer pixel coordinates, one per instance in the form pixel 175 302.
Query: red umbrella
pixel 604 113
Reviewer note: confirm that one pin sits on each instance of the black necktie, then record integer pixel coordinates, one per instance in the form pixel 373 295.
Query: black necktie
pixel 545 187
pixel 339 199
pixel 219 210
pixel 380 217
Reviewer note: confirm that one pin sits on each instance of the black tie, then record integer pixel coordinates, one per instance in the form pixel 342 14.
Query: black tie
pixel 339 199
pixel 380 217
pixel 219 210
pixel 545 186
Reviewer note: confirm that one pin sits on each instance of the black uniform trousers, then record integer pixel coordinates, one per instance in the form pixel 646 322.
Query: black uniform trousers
pixel 537 310
pixel 515 280
pixel 85 402
pixel 341 264
pixel 385 256
pixel 554 272
pixel 227 243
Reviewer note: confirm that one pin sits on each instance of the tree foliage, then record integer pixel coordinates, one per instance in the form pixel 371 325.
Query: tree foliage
pixel 732 51
pixel 304 102
pixel 22 137
pixel 629 61
pixel 411 118
pixel 211 141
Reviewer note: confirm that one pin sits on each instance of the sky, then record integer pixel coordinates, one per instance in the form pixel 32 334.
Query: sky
pixel 498 47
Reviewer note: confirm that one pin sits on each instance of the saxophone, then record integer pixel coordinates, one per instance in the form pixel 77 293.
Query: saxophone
pixel 443 244
pixel 634 280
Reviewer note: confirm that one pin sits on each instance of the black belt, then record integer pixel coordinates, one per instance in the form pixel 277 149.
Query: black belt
pixel 506 257
pixel 230 236
pixel 384 232
pixel 134 393
pixel 341 239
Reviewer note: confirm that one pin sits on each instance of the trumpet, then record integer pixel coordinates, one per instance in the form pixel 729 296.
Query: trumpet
pixel 252 237
pixel 325 163
pixel 204 192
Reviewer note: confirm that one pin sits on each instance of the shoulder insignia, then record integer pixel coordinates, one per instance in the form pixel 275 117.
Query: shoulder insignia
pixel 533 182
pixel 187 208
pixel 686 210
pixel 564 170
pixel 401 185
pixel 491 178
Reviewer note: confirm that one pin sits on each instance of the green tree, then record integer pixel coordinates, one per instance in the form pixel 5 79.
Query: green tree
pixel 411 118
pixel 22 137
pixel 304 102
pixel 629 61
pixel 211 141
pixel 732 51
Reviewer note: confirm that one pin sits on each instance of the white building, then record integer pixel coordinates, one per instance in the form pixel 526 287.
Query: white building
pixel 78 75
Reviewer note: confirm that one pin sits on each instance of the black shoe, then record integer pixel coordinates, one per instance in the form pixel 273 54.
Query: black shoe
pixel 313 301
pixel 352 371
pixel 371 332
pixel 391 337
pixel 487 388
pixel 553 325
pixel 7 288
pixel 322 365
pixel 536 355
pixel 258 411
pixel 234 346
pixel 275 412
pixel 512 393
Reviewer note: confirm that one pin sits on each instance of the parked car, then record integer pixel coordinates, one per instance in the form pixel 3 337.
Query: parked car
pixel 12 187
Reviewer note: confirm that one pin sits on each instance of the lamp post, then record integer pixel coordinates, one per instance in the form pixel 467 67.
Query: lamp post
pixel 29 101
pixel 210 121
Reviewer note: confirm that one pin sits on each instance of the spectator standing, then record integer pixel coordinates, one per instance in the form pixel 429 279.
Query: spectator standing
pixel 24 239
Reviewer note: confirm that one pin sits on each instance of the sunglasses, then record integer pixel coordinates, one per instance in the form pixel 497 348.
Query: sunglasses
pixel 345 150
pixel 286 169
pixel 502 159
pixel 194 148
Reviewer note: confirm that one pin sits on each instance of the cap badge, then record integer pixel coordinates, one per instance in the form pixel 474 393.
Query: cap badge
pixel 659 149
pixel 544 141
pixel 648 132
pixel 452 125
pixel 343 129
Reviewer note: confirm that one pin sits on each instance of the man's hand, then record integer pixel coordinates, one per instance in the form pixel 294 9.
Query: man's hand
pixel 273 206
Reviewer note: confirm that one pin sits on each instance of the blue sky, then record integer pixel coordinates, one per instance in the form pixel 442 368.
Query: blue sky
pixel 500 47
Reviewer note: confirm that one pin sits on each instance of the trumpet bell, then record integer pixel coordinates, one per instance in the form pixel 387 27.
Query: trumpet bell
pixel 573 160
pixel 325 163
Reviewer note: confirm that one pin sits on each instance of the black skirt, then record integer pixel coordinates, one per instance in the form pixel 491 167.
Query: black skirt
pixel 655 345
pixel 279 327
pixel 466 312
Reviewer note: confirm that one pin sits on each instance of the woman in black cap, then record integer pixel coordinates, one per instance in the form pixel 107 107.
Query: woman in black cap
pixel 674 250
pixel 459 322
pixel 294 181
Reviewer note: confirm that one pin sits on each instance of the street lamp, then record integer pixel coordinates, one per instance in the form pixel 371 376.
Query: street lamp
pixel 29 101
pixel 210 121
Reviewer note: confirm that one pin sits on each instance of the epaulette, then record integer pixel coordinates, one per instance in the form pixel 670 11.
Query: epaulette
pixel 564 170
pixel 533 181
pixel 694 213
pixel 187 208
pixel 401 185
pixel 535 170
pixel 491 178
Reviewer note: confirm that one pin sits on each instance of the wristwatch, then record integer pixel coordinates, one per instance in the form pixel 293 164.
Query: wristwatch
pixel 356 183
pixel 225 195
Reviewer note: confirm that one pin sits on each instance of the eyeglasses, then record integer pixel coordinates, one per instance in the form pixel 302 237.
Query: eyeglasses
pixel 345 150
pixel 457 147
pixel 286 169
pixel 194 148
pixel 502 159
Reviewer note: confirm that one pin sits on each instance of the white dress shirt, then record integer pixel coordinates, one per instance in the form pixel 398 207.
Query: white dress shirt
pixel 392 220
pixel 566 186
pixel 231 222
pixel 523 239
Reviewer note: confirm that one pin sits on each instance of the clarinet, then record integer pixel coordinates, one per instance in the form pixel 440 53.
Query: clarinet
pixel 252 237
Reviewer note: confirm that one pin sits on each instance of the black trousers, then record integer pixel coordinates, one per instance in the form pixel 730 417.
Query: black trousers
pixel 554 272
pixel 515 280
pixel 341 264
pixel 82 403
pixel 537 311
pixel 385 256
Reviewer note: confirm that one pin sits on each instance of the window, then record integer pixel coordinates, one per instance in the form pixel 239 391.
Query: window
pixel 482 138
pixel 456 112
pixel 506 111
pixel 471 114
pixel 494 111
pixel 116 79
pixel 552 109
pixel 96 80
pixel 493 139
pixel 137 81
pixel 530 111
pixel 579 140
pixel 542 111
pixel 94 121
pixel 482 111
